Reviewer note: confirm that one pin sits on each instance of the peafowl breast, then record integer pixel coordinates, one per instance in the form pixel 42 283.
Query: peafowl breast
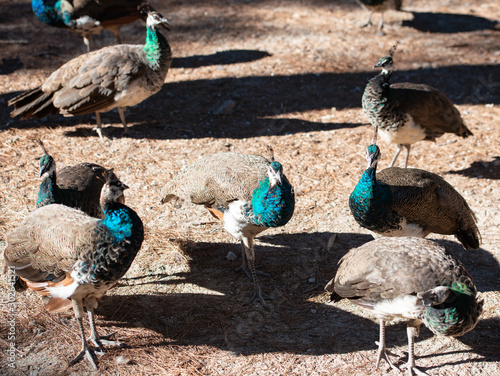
pixel 413 278
pixel 87 17
pixel 99 81
pixel 73 259
pixel 406 113
pixel 77 186
pixel 247 192
pixel 411 202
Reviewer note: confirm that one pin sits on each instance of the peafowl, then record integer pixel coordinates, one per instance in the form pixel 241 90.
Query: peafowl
pixel 77 186
pixel 410 202
pixel 378 6
pixel 99 81
pixel 405 113
pixel 413 278
pixel 87 17
pixel 73 259
pixel 247 192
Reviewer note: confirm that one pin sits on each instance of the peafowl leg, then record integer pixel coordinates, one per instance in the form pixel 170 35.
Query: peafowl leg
pixel 87 39
pixel 412 331
pixel 407 147
pixel 244 265
pixel 121 112
pixel 382 352
pixel 247 243
pixel 98 129
pixel 99 341
pixel 368 22
pixel 381 24
pixel 85 352
pixel 396 155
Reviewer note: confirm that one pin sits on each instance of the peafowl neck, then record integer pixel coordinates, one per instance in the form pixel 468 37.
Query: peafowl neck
pixel 272 206
pixel 457 315
pixel 51 13
pixel 120 235
pixel 48 191
pixel 370 203
pixel 157 50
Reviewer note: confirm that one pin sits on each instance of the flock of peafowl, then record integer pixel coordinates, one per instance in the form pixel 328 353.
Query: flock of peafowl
pixel 82 237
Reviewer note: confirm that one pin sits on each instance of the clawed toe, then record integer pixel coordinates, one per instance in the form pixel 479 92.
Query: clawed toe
pixel 87 353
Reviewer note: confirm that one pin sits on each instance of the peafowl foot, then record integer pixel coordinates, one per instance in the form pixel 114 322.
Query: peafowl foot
pixel 87 353
pixel 245 269
pixel 104 340
pixel 384 353
pixel 411 370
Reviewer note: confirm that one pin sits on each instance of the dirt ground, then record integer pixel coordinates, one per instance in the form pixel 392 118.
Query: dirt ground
pixel 248 74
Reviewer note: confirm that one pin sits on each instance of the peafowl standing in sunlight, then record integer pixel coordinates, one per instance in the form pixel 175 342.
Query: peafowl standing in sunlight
pixel 410 202
pixel 378 6
pixel 412 278
pixel 87 17
pixel 405 113
pixel 73 259
pixel 77 186
pixel 99 81
pixel 247 192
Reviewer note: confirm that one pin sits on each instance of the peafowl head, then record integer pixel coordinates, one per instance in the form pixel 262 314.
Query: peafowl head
pixel 113 189
pixel 155 19
pixel 372 155
pixel 386 64
pixel 47 165
pixel 275 173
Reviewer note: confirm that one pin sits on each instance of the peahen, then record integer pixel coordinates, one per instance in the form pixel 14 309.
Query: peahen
pixel 413 278
pixel 247 192
pixel 410 202
pixel 77 186
pixel 405 113
pixel 87 17
pixel 378 6
pixel 73 259
pixel 99 81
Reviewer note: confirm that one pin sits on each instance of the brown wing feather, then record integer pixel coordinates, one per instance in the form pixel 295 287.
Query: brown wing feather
pixel 430 108
pixel 31 245
pixel 218 179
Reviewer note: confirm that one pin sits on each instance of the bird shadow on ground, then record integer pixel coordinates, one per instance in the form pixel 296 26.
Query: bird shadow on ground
pixel 219 58
pixel 481 170
pixel 448 22
pixel 298 320
pixel 480 263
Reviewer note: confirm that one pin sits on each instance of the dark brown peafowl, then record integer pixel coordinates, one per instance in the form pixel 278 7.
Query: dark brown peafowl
pixel 405 113
pixel 413 278
pixel 378 6
pixel 410 202
pixel 87 17
pixel 77 186
pixel 73 259
pixel 99 81
pixel 247 192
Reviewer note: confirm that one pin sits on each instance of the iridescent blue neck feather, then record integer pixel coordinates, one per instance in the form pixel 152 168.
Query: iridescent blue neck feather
pixel 48 191
pixel 156 48
pixel 50 13
pixel 272 206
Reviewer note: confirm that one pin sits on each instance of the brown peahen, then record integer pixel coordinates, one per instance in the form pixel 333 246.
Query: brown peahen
pixel 73 259
pixel 247 192
pixel 77 186
pixel 413 278
pixel 405 113
pixel 99 81
pixel 411 202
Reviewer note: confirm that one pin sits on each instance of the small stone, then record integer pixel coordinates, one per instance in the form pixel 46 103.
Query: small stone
pixel 231 256
pixel 122 360
pixel 227 108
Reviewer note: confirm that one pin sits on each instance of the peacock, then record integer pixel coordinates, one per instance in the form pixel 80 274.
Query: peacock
pixel 405 113
pixel 410 202
pixel 77 186
pixel 73 259
pixel 249 193
pixel 378 6
pixel 412 278
pixel 99 81
pixel 87 17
